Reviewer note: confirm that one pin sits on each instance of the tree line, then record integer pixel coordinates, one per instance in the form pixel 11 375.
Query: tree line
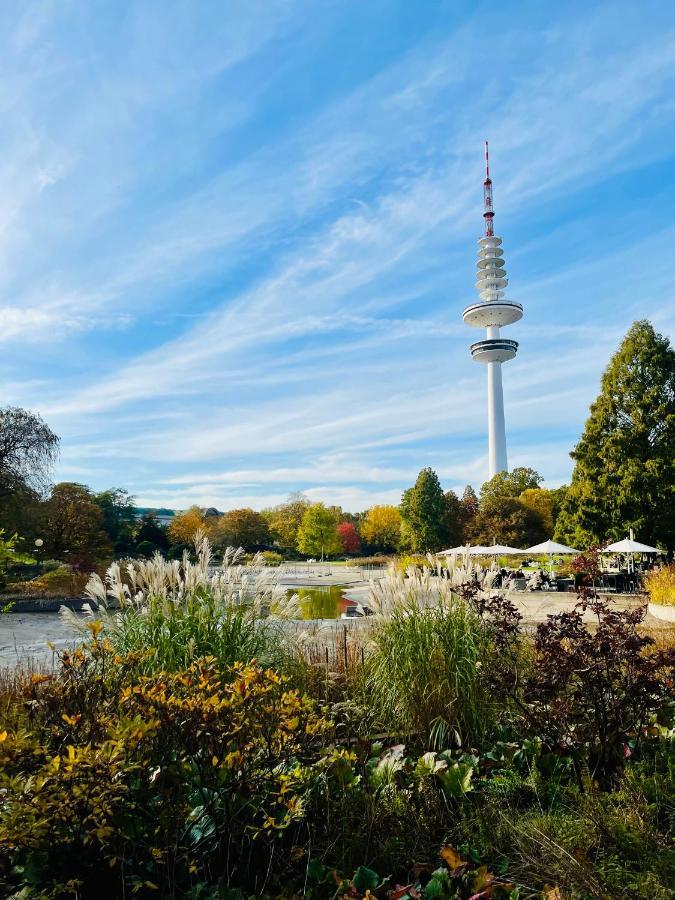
pixel 624 477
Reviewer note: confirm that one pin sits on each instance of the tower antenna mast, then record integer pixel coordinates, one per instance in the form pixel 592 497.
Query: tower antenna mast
pixel 489 213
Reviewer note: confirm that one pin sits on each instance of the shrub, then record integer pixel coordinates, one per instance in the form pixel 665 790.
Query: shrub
pixel 115 783
pixel 418 562
pixel 377 560
pixel 59 582
pixel 594 692
pixel 272 558
pixel 660 585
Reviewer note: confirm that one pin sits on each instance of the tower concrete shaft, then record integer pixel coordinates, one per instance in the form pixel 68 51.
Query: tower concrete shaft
pixel 492 313
pixel 497 460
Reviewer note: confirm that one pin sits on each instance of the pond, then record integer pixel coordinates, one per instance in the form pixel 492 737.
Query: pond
pixel 324 602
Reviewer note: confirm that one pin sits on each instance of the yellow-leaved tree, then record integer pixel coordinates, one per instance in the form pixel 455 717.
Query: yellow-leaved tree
pixel 382 527
pixel 185 525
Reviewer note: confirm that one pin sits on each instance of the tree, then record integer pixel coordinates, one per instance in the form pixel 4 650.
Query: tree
pixel 542 502
pixel 510 484
pixel 349 537
pixel 507 521
pixel 7 551
pixel 74 526
pixel 452 519
pixel 423 512
pixel 356 519
pixel 184 526
pixel 559 494
pixel 624 473
pixel 284 520
pixel 28 450
pixel 239 528
pixel 468 508
pixel 23 512
pixel 317 535
pixel 381 528
pixel 119 511
pixel 151 536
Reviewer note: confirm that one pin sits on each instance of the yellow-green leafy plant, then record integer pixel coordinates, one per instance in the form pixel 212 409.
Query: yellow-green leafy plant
pixel 114 782
pixel 660 585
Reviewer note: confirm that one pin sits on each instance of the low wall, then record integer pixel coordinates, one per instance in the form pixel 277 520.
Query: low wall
pixel 22 604
pixel 667 613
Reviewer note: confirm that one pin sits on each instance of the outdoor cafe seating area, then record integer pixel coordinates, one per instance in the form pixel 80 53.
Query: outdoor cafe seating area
pixel 622 566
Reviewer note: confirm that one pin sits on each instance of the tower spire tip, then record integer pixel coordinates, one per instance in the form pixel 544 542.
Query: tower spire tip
pixel 488 215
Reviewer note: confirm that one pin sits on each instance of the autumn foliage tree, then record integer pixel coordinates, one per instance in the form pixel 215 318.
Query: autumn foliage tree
pixel 468 509
pixel 239 528
pixel 184 526
pixel 317 535
pixel 381 528
pixel 349 537
pixel 284 520
pixel 74 526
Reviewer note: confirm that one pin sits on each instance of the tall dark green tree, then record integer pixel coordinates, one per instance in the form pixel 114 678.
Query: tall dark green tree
pixel 152 535
pixel 452 519
pixel 118 509
pixel 624 473
pixel 423 509
pixel 468 510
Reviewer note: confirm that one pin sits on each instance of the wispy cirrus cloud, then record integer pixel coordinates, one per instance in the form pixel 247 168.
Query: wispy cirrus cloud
pixel 245 254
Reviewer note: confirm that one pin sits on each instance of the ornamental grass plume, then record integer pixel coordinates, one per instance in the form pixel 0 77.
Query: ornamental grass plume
pixel 180 610
pixel 427 654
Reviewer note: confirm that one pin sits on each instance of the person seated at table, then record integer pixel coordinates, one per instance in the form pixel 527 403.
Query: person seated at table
pixel 534 582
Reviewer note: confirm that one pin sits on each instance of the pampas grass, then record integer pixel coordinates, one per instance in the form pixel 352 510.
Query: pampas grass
pixel 427 650
pixel 179 610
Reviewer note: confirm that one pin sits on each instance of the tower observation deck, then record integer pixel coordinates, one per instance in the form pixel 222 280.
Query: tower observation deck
pixel 493 312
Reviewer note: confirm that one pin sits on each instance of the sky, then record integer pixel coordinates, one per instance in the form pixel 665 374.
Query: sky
pixel 236 238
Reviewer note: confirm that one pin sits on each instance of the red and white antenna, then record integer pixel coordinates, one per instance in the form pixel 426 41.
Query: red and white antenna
pixel 489 213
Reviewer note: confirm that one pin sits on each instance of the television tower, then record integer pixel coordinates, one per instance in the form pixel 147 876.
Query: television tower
pixel 492 313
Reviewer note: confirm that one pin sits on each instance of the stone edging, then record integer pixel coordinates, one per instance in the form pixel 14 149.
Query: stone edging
pixel 659 611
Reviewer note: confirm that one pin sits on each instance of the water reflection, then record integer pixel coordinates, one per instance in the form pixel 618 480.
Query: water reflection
pixel 325 602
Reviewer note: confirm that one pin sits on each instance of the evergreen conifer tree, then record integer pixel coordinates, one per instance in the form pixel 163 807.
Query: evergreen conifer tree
pixel 624 474
pixel 423 509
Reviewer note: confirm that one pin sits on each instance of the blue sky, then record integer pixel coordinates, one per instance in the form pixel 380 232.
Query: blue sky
pixel 236 238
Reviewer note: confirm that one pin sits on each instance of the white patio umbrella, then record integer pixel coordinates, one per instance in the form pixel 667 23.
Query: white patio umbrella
pixel 479 550
pixel 629 546
pixel 504 550
pixel 552 548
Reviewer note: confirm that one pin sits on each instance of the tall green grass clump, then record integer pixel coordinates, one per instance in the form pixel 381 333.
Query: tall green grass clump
pixel 178 611
pixel 428 651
